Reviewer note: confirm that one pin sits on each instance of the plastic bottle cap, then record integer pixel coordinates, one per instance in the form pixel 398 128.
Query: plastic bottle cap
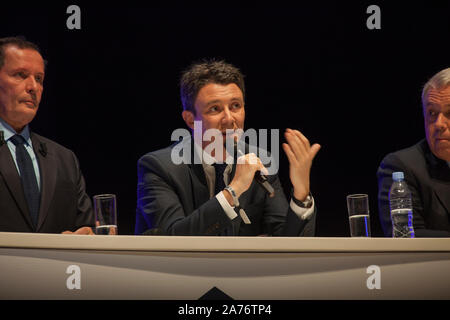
pixel 397 176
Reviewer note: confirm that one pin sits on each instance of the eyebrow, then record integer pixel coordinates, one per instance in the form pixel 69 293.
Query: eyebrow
pixel 219 101
pixel 431 104
pixel 27 70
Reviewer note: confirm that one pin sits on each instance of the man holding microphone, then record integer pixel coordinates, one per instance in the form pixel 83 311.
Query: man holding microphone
pixel 215 198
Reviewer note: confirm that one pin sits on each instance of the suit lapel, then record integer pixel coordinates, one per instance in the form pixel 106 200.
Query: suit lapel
pixel 198 180
pixel 47 168
pixel 440 173
pixel 199 185
pixel 443 193
pixel 9 172
pixel 441 183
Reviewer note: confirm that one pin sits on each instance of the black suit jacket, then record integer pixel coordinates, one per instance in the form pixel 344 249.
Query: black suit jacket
pixel 174 200
pixel 428 178
pixel 64 203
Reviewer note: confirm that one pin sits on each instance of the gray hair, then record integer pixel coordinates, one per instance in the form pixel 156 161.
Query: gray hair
pixel 439 81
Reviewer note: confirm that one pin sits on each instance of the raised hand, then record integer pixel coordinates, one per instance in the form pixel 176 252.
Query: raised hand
pixel 300 155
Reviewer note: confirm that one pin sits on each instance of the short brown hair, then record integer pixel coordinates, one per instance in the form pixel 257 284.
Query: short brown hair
pixel 202 73
pixel 19 42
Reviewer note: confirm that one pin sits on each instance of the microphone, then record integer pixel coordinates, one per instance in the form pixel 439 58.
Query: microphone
pixel 259 177
pixel 2 138
pixel 43 149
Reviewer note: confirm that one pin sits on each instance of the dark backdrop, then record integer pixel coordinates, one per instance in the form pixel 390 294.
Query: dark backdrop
pixel 111 89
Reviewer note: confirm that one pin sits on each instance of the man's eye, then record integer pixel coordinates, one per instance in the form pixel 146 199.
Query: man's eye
pixel 40 80
pixel 236 105
pixel 214 109
pixel 21 75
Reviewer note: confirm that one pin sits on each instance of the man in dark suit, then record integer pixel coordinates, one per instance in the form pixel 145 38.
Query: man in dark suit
pixel 214 197
pixel 41 185
pixel 426 166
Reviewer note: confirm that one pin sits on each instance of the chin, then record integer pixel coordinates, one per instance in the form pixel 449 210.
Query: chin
pixel 24 120
pixel 444 156
pixel 441 153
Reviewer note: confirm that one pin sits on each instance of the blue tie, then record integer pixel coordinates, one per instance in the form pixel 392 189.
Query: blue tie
pixel 28 177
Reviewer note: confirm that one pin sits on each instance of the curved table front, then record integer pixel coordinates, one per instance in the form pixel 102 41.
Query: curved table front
pixel 53 266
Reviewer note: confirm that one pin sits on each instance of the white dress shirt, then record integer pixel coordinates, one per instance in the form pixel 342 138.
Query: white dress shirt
pixel 8 133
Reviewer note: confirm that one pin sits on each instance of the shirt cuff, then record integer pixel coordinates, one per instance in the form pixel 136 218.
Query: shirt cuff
pixel 229 210
pixel 302 213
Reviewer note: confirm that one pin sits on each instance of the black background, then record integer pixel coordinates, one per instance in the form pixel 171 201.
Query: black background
pixel 111 89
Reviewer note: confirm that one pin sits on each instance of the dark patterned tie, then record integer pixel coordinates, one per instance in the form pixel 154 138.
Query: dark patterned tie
pixel 28 177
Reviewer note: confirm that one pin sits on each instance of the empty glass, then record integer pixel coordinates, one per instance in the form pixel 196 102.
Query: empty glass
pixel 105 214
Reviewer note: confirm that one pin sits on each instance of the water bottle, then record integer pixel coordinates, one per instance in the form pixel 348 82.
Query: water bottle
pixel 401 207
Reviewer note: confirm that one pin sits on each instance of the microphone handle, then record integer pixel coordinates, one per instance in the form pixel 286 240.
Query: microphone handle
pixel 262 179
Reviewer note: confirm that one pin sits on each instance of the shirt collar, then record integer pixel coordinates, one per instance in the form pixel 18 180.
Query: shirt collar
pixel 207 159
pixel 8 131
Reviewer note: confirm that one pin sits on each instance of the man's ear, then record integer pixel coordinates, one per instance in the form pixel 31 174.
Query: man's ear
pixel 188 117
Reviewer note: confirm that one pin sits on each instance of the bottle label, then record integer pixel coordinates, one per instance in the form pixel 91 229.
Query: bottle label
pixel 402 223
pixel 401 211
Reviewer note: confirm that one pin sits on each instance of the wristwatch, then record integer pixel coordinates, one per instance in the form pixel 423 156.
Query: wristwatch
pixel 302 204
pixel 233 195
pixel 236 204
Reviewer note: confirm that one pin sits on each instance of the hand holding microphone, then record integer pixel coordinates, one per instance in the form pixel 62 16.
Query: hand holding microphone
pixel 248 168
pixel 259 177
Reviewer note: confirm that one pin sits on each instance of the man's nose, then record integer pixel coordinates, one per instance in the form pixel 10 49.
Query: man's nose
pixel 227 116
pixel 441 122
pixel 31 85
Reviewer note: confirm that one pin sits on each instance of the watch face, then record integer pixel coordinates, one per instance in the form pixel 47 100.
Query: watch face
pixel 304 204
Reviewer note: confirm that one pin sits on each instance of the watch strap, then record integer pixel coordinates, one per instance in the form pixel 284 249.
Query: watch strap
pixel 303 204
pixel 236 204
pixel 233 195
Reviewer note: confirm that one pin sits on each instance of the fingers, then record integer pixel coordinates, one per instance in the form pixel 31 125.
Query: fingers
pixel 251 158
pixel 83 230
pixel 289 153
pixel 314 149
pixel 263 170
pixel 294 142
pixel 299 139
pixel 300 135
pixel 300 145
